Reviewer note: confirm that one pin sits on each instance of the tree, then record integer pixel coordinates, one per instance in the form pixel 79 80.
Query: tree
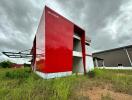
pixel 6 64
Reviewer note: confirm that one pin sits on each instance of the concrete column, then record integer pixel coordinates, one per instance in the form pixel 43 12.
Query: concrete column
pixel 96 62
pixel 103 64
pixel 128 56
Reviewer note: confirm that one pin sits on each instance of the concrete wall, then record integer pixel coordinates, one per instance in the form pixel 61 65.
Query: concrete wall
pixel 77 45
pixel 89 59
pixel 78 65
pixel 115 57
pixel 89 63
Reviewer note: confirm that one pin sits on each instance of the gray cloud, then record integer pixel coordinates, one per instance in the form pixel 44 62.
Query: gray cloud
pixel 18 23
pixel 90 13
pixel 118 28
pixel 107 22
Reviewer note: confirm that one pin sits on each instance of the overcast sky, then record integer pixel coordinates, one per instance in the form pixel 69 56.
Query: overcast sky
pixel 107 22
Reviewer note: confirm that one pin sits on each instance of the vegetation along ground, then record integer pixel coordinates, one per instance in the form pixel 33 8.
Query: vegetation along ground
pixel 101 84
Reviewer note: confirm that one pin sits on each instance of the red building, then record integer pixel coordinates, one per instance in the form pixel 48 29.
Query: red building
pixel 59 47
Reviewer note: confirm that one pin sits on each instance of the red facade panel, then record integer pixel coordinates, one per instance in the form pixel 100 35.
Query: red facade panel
pixel 59 42
pixel 83 50
pixel 54 43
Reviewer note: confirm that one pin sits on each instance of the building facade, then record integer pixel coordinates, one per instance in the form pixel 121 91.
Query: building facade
pixel 114 57
pixel 60 47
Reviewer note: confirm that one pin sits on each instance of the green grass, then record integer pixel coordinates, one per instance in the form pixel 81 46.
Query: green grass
pixel 106 97
pixel 19 84
pixel 23 84
pixel 120 79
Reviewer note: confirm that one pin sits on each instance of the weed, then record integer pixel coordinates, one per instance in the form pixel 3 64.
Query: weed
pixel 106 97
pixel 91 74
pixel 21 83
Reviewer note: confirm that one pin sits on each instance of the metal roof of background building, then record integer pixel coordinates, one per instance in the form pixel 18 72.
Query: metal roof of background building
pixel 129 46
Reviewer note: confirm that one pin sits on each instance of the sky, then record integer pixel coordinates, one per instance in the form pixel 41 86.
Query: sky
pixel 107 22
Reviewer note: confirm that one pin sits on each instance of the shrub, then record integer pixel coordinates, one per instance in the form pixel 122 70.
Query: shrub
pixel 15 74
pixel 27 65
pixel 91 73
pixel 6 64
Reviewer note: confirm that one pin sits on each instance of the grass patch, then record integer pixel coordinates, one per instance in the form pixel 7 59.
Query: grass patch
pixel 106 97
pixel 121 79
pixel 21 83
pixel 18 73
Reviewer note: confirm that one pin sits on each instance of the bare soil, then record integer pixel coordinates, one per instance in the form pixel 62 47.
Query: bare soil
pixel 97 93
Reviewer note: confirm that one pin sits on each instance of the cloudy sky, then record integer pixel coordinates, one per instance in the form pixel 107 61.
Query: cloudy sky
pixel 107 22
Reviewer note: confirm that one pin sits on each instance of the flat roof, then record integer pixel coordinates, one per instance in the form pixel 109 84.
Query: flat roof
pixel 64 17
pixel 87 39
pixel 129 46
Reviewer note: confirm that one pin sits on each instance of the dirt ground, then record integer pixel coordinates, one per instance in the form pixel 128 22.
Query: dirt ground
pixel 99 93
